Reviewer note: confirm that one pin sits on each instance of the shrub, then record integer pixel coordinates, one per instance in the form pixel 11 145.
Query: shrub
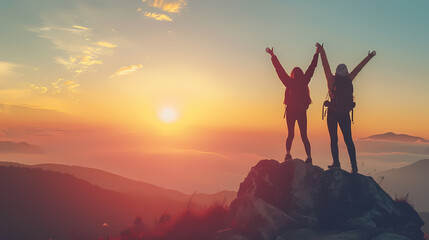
pixel 189 225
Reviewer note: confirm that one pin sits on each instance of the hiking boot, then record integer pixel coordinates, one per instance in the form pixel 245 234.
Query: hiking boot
pixel 309 160
pixel 334 166
pixel 288 157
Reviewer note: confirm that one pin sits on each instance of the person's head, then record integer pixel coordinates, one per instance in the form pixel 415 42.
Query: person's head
pixel 342 70
pixel 297 73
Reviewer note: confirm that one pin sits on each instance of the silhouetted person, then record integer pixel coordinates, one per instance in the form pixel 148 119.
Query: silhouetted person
pixel 341 94
pixel 297 99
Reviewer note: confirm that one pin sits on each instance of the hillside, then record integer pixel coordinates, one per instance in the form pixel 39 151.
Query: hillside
pixel 118 183
pixel 40 204
pixel 411 179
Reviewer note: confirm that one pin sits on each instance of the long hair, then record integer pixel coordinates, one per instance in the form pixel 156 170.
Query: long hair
pixel 297 73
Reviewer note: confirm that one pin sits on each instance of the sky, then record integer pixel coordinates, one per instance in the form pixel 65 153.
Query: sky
pixel 181 93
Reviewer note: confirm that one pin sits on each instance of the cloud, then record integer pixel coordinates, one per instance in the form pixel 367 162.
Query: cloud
pixel 106 44
pixel 8 68
pixel 61 84
pixel 72 86
pixel 173 6
pixel 40 89
pixel 165 6
pixel 158 16
pixel 379 154
pixel 80 27
pixel 78 46
pixel 17 114
pixel 127 70
pixel 22 131
pixel 177 151
pixel 377 146
pixel 57 86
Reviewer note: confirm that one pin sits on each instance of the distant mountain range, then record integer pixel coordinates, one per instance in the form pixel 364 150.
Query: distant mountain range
pixel 71 202
pixel 412 179
pixel 118 183
pixel 390 136
pixel 19 147
pixel 40 204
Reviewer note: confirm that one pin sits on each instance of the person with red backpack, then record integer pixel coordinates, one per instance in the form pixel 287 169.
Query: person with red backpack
pixel 340 88
pixel 297 99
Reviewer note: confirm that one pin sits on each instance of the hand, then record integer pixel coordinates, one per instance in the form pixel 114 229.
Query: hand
pixel 372 54
pixel 270 51
pixel 319 47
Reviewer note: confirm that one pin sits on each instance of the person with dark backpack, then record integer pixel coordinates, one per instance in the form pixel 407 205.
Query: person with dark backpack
pixel 340 88
pixel 297 99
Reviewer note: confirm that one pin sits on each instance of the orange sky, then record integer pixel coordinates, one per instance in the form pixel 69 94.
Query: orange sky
pixel 86 82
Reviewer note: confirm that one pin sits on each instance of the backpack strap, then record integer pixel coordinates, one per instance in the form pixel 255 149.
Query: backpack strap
pixel 324 111
pixel 284 114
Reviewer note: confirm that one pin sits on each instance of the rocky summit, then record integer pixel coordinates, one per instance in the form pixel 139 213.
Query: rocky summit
pixel 295 200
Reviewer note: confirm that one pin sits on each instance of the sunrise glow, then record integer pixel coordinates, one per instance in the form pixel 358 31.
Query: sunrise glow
pixel 168 114
pixel 152 88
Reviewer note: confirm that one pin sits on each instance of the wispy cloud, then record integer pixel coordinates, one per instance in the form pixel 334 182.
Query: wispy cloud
pixel 80 27
pixel 61 84
pixel 161 10
pixel 172 6
pixel 72 86
pixel 106 44
pixel 78 45
pixel 23 131
pixel 158 16
pixel 40 89
pixel 8 68
pixel 127 70
pixel 57 86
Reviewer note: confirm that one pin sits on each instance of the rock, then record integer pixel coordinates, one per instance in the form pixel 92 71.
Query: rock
pixel 275 182
pixel 364 222
pixel 348 235
pixel 297 234
pixel 308 234
pixel 229 234
pixel 294 195
pixel 257 219
pixel 390 236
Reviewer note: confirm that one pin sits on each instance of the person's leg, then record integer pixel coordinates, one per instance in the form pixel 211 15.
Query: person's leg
pixel 332 127
pixel 290 120
pixel 302 123
pixel 346 128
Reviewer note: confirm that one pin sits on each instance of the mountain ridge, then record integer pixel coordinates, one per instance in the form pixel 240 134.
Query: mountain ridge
pixel 408 180
pixel 43 204
pixel 119 183
pixel 391 136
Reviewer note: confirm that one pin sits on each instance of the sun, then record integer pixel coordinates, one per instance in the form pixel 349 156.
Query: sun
pixel 168 114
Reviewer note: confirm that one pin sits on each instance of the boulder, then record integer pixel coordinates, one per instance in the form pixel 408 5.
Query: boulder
pixel 258 219
pixel 277 198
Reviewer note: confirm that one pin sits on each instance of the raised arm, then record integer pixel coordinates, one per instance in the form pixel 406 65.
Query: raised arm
pixel 326 67
pixel 284 77
pixel 362 64
pixel 310 70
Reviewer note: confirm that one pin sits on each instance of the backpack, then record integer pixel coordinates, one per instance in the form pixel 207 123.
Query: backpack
pixel 342 99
